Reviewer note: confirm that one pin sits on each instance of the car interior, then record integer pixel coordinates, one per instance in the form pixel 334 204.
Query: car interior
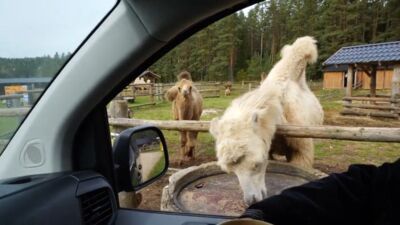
pixel 60 167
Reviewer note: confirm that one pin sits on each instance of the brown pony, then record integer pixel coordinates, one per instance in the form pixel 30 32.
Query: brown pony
pixel 187 104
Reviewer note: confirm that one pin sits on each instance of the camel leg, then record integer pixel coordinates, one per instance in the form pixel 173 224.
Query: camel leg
pixel 302 152
pixel 183 146
pixel 191 144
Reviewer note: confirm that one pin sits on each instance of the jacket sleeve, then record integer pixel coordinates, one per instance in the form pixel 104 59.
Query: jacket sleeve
pixel 352 197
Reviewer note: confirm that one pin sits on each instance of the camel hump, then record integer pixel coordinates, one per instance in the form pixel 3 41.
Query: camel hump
pixel 304 48
pixel 184 75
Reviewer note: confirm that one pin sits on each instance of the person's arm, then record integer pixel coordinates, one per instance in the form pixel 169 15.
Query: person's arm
pixel 357 196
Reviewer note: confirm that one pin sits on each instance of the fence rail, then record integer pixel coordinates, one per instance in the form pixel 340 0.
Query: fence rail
pixel 372 134
pixel 14 111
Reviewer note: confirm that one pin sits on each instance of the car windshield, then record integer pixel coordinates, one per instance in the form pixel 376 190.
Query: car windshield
pixel 34 46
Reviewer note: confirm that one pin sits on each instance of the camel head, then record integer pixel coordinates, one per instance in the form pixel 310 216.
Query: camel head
pixel 185 87
pixel 242 147
pixel 185 84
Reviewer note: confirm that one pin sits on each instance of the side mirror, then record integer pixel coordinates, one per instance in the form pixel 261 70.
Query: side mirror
pixel 140 157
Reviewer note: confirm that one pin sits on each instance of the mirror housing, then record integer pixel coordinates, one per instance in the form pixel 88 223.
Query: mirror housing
pixel 131 149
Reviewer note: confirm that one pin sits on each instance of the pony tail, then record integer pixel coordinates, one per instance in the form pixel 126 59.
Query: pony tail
pixel 184 75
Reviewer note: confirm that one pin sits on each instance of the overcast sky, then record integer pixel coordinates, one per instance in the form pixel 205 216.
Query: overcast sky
pixel 30 28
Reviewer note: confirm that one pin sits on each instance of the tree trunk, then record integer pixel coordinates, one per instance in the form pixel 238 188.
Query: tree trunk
pixel 231 63
pixel 261 46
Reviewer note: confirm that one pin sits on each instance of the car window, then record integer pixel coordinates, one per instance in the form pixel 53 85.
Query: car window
pixel 34 45
pixel 199 79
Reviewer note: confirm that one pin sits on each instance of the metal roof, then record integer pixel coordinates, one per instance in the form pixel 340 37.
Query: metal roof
pixel 370 53
pixel 27 80
pixel 151 73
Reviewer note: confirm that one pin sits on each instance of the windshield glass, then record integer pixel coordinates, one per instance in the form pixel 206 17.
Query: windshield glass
pixel 34 45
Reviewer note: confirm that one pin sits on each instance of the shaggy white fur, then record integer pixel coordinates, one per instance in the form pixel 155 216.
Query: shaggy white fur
pixel 245 133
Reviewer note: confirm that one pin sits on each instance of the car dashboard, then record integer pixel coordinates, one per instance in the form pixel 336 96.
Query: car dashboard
pixel 77 198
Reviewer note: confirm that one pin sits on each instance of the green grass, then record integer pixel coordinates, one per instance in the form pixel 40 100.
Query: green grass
pixel 335 155
pixel 158 168
pixel 341 154
pixel 8 124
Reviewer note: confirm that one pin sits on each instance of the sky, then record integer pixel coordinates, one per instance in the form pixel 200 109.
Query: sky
pixel 30 28
pixel 247 9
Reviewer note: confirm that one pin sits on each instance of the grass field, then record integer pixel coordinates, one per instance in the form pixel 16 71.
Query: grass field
pixel 330 155
pixel 7 128
pixel 8 125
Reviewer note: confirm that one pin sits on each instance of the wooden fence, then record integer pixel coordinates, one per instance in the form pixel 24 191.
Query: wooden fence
pixel 156 91
pixel 7 112
pixel 379 106
pixel 374 134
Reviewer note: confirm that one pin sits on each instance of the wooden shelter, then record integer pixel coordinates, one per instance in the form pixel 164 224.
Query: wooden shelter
pixel 143 85
pixel 370 61
pixel 148 77
pixel 335 78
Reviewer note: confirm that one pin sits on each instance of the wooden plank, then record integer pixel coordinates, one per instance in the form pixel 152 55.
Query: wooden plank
pixel 369 99
pixel 31 91
pixel 13 111
pixel 361 112
pixel 144 104
pixel 209 90
pixel 333 80
pixel 366 106
pixel 375 134
pixel 388 76
pixel 13 96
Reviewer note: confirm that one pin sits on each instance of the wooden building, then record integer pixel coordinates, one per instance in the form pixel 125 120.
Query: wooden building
pixel 148 77
pixel 372 66
pixel 335 78
pixel 30 82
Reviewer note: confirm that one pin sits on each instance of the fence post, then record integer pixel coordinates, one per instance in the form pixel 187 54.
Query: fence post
pixel 249 86
pixel 349 86
pixel 395 87
pixel 216 87
pixel 118 109
pixel 151 92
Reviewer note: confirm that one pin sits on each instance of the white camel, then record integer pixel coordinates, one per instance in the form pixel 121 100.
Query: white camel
pixel 245 134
